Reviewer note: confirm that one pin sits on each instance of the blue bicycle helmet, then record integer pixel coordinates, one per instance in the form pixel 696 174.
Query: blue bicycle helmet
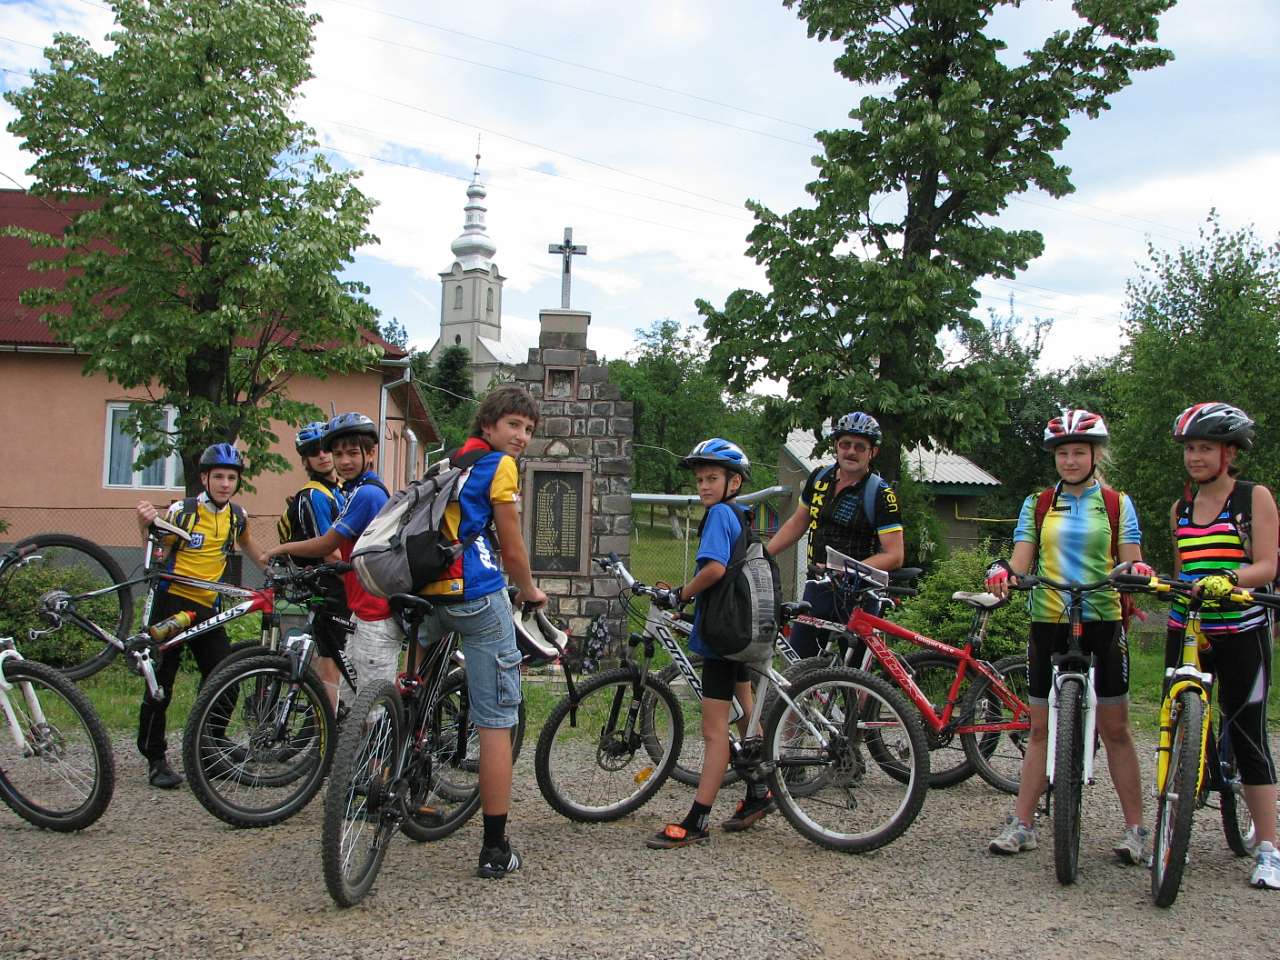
pixel 719 453
pixel 858 424
pixel 310 437
pixel 221 455
pixel 348 425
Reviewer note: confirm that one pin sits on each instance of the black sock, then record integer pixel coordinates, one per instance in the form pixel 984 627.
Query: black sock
pixel 757 789
pixel 696 818
pixel 495 829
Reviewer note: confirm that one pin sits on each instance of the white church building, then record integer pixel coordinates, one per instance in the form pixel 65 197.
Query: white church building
pixel 471 298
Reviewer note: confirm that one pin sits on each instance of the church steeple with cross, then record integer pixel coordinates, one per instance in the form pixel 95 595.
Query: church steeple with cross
pixel 471 294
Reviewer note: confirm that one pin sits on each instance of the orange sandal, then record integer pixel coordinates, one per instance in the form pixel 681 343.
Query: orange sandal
pixel 674 835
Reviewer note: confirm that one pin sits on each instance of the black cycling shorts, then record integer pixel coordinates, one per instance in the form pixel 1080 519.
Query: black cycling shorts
pixel 1103 638
pixel 720 676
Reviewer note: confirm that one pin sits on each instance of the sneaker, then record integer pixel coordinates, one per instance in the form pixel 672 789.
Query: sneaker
pixel 1014 838
pixel 497 862
pixel 674 835
pixel 1131 848
pixel 162 776
pixel 749 812
pixel 1266 874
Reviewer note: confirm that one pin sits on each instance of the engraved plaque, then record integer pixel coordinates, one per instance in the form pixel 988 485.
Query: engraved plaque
pixel 556 501
pixel 561 384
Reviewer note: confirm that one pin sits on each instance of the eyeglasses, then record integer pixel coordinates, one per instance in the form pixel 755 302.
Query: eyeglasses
pixel 854 447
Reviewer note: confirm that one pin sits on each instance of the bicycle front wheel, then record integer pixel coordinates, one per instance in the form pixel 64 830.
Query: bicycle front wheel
pixel 688 766
pixel 846 802
pixel 1068 781
pixel 997 755
pixel 1176 801
pixel 257 746
pixel 443 766
pixel 593 758
pixel 360 808
pixel 87 576
pixel 56 768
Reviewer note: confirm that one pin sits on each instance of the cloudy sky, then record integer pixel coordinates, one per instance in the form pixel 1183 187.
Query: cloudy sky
pixel 645 126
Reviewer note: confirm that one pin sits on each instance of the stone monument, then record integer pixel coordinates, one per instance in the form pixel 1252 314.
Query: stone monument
pixel 577 469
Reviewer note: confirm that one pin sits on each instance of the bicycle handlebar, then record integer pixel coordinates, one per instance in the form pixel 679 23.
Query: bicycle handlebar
pixel 1029 581
pixel 1165 588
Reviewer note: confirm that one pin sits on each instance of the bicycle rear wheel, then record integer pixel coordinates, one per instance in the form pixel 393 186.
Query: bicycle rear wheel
pixel 1068 781
pixel 1237 822
pixel 1176 802
pixel 360 810
pixel 997 755
pixel 257 746
pixel 73 568
pixel 933 673
pixel 599 768
pixel 443 766
pixel 688 767
pixel 56 768
pixel 845 802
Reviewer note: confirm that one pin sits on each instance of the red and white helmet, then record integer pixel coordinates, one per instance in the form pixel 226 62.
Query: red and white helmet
pixel 1075 426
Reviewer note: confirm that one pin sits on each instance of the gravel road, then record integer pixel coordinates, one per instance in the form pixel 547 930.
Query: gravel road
pixel 157 876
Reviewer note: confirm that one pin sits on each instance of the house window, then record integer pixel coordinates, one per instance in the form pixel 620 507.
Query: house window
pixel 122 453
pixel 457 297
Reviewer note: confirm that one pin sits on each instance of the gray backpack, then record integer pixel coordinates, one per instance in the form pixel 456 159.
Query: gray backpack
pixel 404 548
pixel 741 612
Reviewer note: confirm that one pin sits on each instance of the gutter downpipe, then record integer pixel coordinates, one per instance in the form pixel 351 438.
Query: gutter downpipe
pixel 407 377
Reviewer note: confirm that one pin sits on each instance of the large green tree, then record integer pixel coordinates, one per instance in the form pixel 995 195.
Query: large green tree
pixel 1202 323
pixel 205 272
pixel 446 385
pixel 872 285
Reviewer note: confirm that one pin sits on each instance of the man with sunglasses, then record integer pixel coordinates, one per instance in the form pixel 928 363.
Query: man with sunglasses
pixel 838 509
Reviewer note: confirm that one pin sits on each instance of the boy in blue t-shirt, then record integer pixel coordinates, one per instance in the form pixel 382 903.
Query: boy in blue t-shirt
pixel 720 468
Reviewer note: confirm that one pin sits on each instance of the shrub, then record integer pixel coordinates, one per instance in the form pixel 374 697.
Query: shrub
pixel 934 614
pixel 19 598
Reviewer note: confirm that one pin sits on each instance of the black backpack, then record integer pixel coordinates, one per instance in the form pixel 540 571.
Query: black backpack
pixel 741 612
pixel 290 525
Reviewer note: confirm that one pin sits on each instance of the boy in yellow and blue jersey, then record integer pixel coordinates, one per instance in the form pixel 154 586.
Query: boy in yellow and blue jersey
pixel 216 526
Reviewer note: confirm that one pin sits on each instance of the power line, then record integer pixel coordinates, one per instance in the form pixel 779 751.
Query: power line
pixel 807 144
pixel 576 65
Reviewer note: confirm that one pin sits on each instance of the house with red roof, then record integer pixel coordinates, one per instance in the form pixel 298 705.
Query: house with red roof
pixel 70 467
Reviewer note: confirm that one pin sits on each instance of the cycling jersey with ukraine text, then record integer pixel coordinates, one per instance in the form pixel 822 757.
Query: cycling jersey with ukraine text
pixel 840 520
pixel 1075 546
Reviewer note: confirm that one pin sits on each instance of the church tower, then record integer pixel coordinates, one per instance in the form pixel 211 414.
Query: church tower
pixel 471 295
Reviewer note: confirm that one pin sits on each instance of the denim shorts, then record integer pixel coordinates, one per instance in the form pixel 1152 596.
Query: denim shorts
pixel 492 657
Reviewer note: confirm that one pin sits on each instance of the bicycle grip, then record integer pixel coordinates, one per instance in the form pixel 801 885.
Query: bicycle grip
pixel 1130 580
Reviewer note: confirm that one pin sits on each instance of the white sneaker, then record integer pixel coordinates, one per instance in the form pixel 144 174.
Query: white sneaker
pixel 1132 846
pixel 1014 838
pixel 1266 872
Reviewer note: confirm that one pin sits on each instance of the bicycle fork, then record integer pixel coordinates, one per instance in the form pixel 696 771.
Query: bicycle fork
pixel 28 694
pixel 1088 721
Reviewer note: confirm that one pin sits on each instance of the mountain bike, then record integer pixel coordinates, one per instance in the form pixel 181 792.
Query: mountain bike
pixel 407 757
pixel 260 735
pixel 991 717
pixel 73 615
pixel 1073 714
pixel 610 743
pixel 56 767
pixel 1189 763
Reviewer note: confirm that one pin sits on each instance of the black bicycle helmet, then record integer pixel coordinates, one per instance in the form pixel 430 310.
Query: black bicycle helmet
pixel 309 438
pixel 719 453
pixel 858 424
pixel 1214 421
pixel 221 455
pixel 348 425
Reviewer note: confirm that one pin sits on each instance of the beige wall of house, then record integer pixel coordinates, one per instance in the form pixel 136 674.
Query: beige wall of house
pixel 53 474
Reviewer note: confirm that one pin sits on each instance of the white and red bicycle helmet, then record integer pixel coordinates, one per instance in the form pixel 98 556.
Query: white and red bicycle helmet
pixel 1075 426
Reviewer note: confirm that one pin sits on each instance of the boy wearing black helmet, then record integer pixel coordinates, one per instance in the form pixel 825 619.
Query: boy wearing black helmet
pixel 837 508
pixel 352 439
pixel 216 525
pixel 720 469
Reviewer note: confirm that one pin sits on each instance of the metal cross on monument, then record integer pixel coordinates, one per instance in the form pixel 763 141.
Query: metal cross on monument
pixel 567 251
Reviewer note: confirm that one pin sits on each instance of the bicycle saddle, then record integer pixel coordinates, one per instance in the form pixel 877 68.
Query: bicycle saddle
pixel 983 601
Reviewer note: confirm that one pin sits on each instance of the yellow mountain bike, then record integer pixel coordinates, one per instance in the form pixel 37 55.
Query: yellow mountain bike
pixel 1189 762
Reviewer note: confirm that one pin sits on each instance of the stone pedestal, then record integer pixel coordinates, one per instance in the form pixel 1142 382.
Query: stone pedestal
pixel 577 473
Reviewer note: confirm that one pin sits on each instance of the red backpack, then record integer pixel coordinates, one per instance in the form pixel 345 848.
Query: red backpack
pixel 1111 499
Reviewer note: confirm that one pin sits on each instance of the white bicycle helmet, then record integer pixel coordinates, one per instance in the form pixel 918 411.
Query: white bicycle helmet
pixel 537 636
pixel 1075 426
pixel 858 424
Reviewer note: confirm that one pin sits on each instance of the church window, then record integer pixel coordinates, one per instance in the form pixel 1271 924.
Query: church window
pixel 488 300
pixel 457 297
